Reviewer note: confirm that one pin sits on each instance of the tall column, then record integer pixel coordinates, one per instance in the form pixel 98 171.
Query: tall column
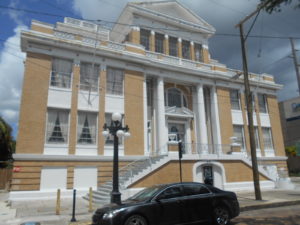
pixel 192 51
pixel 135 35
pixel 179 48
pixel 152 41
pixel 146 144
pixel 202 140
pixel 216 120
pixel 160 117
pixel 166 45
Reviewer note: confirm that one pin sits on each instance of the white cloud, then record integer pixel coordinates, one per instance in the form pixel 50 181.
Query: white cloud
pixel 11 77
pixel 15 15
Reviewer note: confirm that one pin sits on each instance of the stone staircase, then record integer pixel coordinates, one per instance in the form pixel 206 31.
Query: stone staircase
pixel 128 175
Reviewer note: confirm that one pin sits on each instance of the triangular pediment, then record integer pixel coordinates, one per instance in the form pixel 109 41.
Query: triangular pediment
pixel 173 9
pixel 179 112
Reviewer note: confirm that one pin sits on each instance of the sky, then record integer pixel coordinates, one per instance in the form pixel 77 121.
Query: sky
pixel 265 55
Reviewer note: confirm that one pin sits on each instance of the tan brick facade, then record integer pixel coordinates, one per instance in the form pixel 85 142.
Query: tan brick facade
pixel 134 112
pixel 32 126
pixel 276 125
pixel 225 115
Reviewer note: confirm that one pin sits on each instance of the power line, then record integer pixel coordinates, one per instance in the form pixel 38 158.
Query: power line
pixel 149 27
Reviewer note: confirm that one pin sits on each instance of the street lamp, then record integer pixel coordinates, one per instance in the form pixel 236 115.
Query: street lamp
pixel 117 131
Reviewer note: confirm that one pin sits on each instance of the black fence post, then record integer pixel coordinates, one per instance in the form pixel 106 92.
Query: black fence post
pixel 74 206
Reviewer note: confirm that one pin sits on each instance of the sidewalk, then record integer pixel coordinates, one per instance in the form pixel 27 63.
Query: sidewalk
pixel 43 211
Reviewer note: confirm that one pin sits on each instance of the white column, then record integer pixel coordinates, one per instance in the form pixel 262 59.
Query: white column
pixel 216 120
pixel 202 140
pixel 146 145
pixel 160 117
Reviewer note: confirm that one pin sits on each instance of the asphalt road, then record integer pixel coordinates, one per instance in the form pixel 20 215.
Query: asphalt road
pixel 288 215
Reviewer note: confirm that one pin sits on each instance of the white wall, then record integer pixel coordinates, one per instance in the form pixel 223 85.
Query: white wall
pixel 53 178
pixel 85 177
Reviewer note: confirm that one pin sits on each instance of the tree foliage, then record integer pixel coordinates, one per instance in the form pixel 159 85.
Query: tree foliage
pixel 275 5
pixel 7 143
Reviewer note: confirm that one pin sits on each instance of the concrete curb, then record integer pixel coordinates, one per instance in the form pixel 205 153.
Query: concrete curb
pixel 269 205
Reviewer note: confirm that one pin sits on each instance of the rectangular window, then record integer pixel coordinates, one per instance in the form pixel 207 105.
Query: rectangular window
pixel 256 138
pixel 186 49
pixel 267 137
pixel 61 73
pixel 238 132
pixel 253 102
pixel 110 139
pixel 89 76
pixel 235 100
pixel 86 128
pixel 262 103
pixel 159 43
pixel 57 126
pixel 145 38
pixel 198 52
pixel 173 47
pixel 114 81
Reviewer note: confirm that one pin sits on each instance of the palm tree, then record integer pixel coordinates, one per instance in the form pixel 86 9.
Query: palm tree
pixel 7 143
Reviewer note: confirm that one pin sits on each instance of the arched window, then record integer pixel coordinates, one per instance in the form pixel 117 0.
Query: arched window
pixel 175 97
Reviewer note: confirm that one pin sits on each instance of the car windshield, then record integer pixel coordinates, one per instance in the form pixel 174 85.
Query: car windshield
pixel 145 194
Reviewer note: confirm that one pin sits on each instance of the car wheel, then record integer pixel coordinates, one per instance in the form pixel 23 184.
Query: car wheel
pixel 136 220
pixel 221 216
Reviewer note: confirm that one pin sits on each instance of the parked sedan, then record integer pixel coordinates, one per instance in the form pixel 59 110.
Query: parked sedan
pixel 172 204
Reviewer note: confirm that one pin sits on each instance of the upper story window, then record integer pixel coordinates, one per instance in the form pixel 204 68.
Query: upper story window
pixel 114 81
pixel 145 38
pixel 186 50
pixel 175 97
pixel 267 137
pixel 238 132
pixel 159 43
pixel 87 128
pixel 235 99
pixel 262 103
pixel 61 73
pixel 256 136
pixel 57 126
pixel 173 46
pixel 89 76
pixel 198 52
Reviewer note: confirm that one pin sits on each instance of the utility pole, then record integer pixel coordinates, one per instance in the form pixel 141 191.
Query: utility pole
pixel 249 103
pixel 296 63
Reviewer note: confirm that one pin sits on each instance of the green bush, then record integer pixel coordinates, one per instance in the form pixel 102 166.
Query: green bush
pixel 291 150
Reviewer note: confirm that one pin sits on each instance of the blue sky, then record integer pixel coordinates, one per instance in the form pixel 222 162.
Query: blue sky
pixel 264 55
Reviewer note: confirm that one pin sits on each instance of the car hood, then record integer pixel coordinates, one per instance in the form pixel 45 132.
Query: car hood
pixel 113 206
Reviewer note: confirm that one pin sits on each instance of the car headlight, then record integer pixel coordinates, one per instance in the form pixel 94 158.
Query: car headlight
pixel 111 214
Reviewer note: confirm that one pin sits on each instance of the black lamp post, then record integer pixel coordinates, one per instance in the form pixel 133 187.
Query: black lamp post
pixel 117 131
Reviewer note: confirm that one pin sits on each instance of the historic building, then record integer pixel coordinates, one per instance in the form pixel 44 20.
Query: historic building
pixel 154 67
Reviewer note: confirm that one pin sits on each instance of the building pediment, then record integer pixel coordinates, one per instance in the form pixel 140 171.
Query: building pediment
pixel 182 112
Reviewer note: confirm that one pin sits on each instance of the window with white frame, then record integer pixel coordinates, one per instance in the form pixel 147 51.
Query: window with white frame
pixel 57 126
pixel 145 38
pixel 186 49
pixel 89 76
pixel 110 139
pixel 198 52
pixel 175 97
pixel 235 99
pixel 173 46
pixel 262 103
pixel 267 137
pixel 61 73
pixel 87 128
pixel 114 81
pixel 238 132
pixel 159 42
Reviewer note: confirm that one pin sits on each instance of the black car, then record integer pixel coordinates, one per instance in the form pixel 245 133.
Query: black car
pixel 172 204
